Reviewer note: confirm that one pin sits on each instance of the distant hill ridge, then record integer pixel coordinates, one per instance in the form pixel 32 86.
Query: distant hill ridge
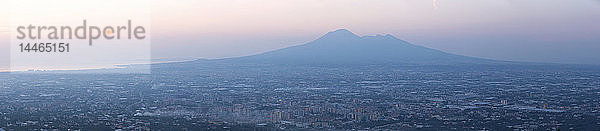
pixel 344 47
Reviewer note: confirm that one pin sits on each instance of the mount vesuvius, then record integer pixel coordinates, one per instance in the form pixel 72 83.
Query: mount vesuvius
pixel 342 47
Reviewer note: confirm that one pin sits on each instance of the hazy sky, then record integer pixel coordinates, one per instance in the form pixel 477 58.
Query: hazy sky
pixel 557 31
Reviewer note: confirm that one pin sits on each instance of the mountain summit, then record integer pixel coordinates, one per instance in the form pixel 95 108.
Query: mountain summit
pixel 339 35
pixel 342 47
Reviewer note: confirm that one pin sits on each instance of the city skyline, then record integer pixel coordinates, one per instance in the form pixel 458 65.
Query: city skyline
pixel 299 65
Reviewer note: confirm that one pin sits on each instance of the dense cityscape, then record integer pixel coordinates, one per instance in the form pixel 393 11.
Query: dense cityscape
pixel 313 98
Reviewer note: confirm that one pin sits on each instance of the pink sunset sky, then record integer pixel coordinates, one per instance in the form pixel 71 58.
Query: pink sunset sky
pixel 556 31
